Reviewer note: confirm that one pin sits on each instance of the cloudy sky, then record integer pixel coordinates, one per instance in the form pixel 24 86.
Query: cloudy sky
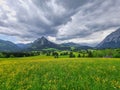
pixel 80 21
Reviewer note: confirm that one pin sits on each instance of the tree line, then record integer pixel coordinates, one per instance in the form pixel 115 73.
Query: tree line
pixel 18 54
pixel 108 53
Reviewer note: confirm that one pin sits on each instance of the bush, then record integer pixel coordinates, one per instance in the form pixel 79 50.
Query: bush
pixel 71 55
pixel 2 55
pixel 79 55
pixel 90 54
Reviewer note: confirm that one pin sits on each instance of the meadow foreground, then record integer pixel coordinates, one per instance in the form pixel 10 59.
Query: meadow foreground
pixel 47 73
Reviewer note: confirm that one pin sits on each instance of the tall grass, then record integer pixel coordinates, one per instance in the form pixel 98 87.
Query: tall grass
pixel 36 73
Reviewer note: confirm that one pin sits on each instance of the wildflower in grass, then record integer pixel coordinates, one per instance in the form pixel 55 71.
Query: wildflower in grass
pixel 97 79
pixel 115 84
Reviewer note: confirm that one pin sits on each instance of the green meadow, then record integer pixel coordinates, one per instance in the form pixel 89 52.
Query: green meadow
pixel 48 73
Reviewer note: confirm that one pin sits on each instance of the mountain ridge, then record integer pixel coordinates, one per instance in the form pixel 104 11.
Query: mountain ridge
pixel 111 41
pixel 41 43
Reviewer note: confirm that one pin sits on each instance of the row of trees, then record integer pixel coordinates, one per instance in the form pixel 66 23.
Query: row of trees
pixel 18 54
pixel 107 53
pixel 69 54
pixel 115 53
pixel 82 53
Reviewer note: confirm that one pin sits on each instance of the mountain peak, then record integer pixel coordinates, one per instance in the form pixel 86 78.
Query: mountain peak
pixel 43 37
pixel 42 43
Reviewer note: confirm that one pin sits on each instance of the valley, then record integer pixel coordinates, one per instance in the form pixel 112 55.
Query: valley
pixel 59 44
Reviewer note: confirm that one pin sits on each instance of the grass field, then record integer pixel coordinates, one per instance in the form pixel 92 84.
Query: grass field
pixel 47 73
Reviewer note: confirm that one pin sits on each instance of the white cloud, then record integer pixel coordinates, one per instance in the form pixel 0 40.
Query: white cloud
pixel 53 39
pixel 57 9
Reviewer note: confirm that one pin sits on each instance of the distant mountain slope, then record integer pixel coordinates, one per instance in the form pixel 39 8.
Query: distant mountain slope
pixel 111 41
pixel 23 46
pixel 77 46
pixel 84 47
pixel 6 46
pixel 70 44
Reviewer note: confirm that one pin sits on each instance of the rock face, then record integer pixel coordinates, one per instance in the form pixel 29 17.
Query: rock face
pixel 111 41
pixel 42 43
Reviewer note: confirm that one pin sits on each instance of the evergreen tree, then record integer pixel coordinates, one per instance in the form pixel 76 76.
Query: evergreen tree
pixel 79 55
pixel 90 54
pixel 71 55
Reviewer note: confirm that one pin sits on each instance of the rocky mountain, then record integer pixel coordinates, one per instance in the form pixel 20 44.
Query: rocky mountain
pixel 7 46
pixel 42 43
pixel 111 41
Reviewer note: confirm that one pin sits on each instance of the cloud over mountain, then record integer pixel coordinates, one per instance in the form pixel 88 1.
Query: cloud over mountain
pixel 61 20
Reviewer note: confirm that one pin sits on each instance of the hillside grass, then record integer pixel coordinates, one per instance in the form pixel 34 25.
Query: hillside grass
pixel 48 73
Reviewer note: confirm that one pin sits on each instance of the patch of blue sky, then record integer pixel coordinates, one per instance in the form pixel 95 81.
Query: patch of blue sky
pixel 8 38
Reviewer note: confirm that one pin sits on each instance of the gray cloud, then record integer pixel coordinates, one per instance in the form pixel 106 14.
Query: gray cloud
pixel 60 19
pixel 92 17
